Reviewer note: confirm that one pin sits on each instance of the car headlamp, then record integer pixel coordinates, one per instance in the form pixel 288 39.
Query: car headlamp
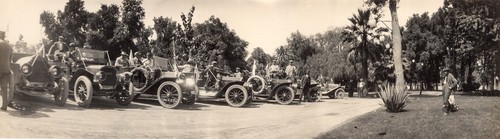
pixel 100 76
pixel 26 69
pixel 55 71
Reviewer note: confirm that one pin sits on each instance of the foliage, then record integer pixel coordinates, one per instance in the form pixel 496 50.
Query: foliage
pixel 261 59
pixel 366 38
pixel 393 97
pixel 131 27
pixel 101 27
pixel 216 42
pixel 185 41
pixel 396 36
pixel 52 27
pixel 165 34
pixel 74 20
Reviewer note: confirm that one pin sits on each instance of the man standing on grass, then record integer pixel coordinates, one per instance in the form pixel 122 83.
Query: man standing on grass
pixel 449 85
pixel 5 71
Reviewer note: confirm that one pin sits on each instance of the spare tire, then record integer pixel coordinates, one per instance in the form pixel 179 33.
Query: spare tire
pixel 258 84
pixel 140 78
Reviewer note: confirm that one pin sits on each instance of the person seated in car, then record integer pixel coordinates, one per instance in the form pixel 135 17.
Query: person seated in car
pixel 238 72
pixel 214 75
pixel 136 61
pixel 122 61
pixel 274 69
pixel 188 67
pixel 56 49
pixel 149 62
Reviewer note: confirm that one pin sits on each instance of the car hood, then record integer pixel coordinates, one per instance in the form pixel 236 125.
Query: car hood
pixel 25 60
pixel 95 68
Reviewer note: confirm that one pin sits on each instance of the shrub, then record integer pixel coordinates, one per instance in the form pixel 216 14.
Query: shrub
pixel 394 98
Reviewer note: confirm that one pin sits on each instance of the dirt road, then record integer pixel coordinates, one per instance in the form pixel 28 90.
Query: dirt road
pixel 40 117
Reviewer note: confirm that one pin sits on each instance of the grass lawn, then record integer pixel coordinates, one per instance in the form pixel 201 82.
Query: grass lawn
pixel 478 117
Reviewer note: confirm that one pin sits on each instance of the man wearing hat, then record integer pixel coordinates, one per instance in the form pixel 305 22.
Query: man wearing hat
pixel 137 60
pixel 449 85
pixel 274 69
pixel 238 72
pixel 5 71
pixel 56 48
pixel 122 61
pixel 290 70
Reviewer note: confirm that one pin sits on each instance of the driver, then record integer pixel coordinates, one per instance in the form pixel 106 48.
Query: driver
pixel 122 61
pixel 214 74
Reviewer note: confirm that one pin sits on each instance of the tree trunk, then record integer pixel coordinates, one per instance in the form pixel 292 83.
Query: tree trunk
pixel 397 50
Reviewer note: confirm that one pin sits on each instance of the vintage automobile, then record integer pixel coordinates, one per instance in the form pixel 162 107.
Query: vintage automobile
pixel 284 91
pixel 232 89
pixel 171 86
pixel 314 94
pixel 94 75
pixel 332 90
pixel 36 75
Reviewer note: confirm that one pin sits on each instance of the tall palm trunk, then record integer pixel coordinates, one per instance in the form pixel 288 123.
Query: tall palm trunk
pixel 396 35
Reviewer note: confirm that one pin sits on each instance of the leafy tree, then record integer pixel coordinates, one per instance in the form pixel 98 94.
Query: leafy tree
pixel 165 34
pixel 261 59
pixel 185 41
pixel 74 21
pixel 218 43
pixel 301 46
pixel 101 27
pixel 131 26
pixel 52 27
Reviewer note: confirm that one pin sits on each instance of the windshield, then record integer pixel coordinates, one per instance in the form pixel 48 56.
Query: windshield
pixel 163 63
pixel 92 56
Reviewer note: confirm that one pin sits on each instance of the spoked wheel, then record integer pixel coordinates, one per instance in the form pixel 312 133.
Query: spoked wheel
pixel 126 96
pixel 61 93
pixel 169 95
pixel 314 95
pixel 236 96
pixel 258 84
pixel 284 95
pixel 83 91
pixel 340 93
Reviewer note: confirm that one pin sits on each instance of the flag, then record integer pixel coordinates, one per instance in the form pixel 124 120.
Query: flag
pixel 130 59
pixel 253 68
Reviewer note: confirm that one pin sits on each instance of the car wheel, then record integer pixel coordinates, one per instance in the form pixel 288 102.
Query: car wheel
pixel 61 93
pixel 83 91
pixel 340 93
pixel 314 95
pixel 258 84
pixel 169 95
pixel 125 97
pixel 236 96
pixel 284 95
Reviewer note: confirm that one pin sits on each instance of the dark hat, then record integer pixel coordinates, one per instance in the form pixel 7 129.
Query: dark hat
pixel 190 61
pixel 237 68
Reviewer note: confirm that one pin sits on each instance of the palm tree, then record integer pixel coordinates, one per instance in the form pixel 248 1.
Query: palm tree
pixel 396 38
pixel 360 33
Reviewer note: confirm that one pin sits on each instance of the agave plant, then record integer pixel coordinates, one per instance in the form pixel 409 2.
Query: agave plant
pixel 394 97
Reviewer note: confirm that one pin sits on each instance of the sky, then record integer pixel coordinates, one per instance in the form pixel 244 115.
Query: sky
pixel 262 23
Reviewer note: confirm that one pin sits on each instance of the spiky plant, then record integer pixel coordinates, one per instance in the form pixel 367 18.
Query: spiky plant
pixel 394 97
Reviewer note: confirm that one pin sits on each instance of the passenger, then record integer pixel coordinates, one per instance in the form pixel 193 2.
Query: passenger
pixel 291 70
pixel 21 45
pixel 136 61
pixel 149 62
pixel 122 61
pixel 274 69
pixel 56 48
pixel 238 72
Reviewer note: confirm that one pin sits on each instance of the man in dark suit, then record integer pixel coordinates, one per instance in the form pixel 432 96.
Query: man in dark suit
pixel 5 71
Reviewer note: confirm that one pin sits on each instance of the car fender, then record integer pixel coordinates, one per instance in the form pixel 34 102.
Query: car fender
pixel 78 73
pixel 277 86
pixel 222 92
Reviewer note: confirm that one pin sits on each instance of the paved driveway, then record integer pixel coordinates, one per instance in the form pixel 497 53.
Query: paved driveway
pixel 40 117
